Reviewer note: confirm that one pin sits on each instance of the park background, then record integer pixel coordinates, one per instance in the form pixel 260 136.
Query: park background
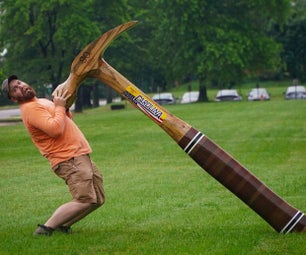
pixel 158 200
pixel 219 44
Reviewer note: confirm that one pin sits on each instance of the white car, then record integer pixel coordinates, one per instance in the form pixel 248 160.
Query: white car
pixel 257 94
pixel 227 95
pixel 295 92
pixel 190 97
pixel 164 98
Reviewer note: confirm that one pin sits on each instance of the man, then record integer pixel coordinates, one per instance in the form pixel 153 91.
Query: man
pixel 59 140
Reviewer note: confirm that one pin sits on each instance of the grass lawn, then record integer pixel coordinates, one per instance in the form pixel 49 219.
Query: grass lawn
pixel 158 200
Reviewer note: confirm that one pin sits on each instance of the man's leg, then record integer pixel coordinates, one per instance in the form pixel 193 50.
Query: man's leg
pixel 87 191
pixel 68 212
pixel 80 216
pixel 64 213
pixel 99 190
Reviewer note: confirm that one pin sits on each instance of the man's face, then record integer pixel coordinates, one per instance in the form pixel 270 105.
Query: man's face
pixel 20 91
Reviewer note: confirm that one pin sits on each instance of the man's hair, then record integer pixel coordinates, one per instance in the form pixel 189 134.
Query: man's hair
pixel 6 85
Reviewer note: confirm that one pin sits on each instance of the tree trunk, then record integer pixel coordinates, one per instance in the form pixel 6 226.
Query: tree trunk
pixel 78 106
pixel 109 97
pixel 203 94
pixel 95 95
pixel 86 96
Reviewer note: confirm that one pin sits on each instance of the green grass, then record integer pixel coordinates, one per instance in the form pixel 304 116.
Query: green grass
pixel 158 200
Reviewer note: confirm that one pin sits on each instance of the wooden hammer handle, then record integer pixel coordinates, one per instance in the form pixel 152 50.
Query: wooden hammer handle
pixel 224 168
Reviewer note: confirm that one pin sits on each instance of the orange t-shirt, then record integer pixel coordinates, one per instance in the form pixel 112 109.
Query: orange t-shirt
pixel 53 132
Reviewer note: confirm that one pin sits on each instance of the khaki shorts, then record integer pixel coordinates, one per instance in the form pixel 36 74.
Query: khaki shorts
pixel 83 178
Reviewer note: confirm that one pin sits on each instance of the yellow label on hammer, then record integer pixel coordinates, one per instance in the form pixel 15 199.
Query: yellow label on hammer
pixel 144 103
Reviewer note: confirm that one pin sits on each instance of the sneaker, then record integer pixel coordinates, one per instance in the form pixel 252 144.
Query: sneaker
pixel 64 229
pixel 43 230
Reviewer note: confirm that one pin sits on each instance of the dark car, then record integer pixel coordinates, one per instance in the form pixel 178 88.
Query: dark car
pixel 227 95
pixel 190 97
pixel 164 98
pixel 258 94
pixel 295 92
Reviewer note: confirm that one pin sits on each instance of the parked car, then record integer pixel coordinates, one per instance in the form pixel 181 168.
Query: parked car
pixel 295 92
pixel 164 98
pixel 257 94
pixel 227 95
pixel 190 97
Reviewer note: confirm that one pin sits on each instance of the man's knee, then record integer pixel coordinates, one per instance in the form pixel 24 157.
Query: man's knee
pixel 100 193
pixel 101 200
pixel 97 205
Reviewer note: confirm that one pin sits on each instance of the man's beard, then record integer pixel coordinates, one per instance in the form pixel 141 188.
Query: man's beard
pixel 27 95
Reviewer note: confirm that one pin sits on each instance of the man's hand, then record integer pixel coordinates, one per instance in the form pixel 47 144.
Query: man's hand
pixel 60 97
pixel 64 88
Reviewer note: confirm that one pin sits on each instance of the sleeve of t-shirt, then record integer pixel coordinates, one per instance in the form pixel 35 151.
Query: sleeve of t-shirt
pixel 39 117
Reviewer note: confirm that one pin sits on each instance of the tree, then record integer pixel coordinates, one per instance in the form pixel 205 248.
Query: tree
pixel 176 41
pixel 294 55
pixel 45 36
pixel 293 39
pixel 217 40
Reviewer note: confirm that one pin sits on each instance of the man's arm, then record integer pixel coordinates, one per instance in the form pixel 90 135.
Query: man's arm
pixel 52 125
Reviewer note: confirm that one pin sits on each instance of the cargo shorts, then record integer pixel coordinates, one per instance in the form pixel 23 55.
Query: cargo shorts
pixel 83 178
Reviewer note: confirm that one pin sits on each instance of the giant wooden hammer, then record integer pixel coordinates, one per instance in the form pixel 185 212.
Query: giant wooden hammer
pixel 224 168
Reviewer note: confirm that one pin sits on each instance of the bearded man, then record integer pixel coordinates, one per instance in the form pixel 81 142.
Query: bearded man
pixel 58 138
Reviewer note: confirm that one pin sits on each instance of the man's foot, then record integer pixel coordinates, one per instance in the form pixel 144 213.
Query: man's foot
pixel 43 230
pixel 64 229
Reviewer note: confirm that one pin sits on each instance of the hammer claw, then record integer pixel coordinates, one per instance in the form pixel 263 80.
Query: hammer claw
pixel 88 61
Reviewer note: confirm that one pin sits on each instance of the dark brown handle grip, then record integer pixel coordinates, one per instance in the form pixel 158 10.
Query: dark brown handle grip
pixel 224 168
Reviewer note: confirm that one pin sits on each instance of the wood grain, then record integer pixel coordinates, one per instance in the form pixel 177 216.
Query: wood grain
pixel 283 217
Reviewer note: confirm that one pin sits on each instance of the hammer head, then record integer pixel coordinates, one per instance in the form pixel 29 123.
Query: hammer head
pixel 87 61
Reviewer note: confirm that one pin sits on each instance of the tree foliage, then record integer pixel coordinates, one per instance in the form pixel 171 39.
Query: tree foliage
pixel 293 39
pixel 216 42
pixel 42 37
